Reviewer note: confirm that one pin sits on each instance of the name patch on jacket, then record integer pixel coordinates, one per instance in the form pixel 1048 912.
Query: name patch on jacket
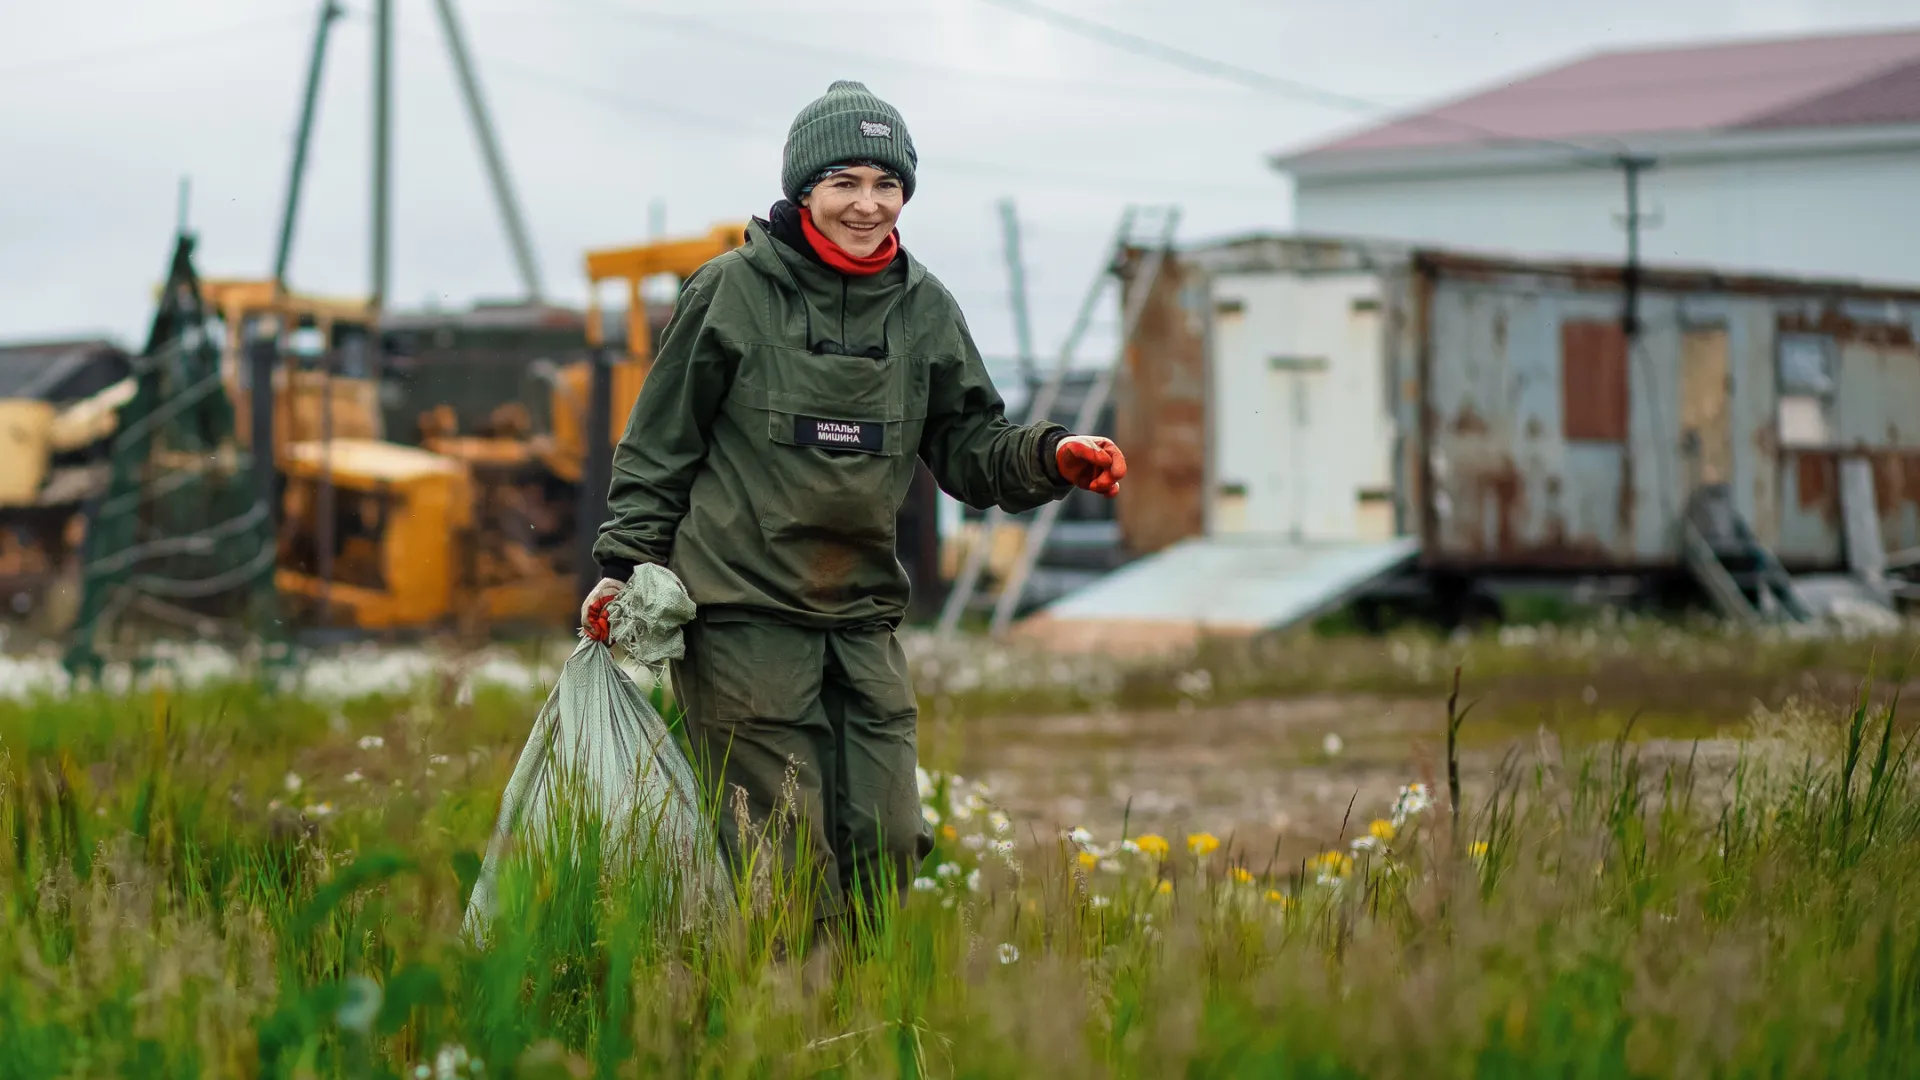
pixel 863 435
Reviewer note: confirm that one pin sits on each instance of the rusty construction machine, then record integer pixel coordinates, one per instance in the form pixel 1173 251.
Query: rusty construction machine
pixel 473 530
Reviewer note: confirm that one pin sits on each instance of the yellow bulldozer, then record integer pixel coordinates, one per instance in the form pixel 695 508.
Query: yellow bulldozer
pixel 466 529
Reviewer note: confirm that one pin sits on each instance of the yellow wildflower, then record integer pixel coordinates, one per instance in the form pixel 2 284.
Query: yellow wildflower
pixel 1332 863
pixel 1152 845
pixel 1241 875
pixel 949 832
pixel 1280 899
pixel 1088 860
pixel 1478 849
pixel 1202 843
pixel 1381 830
pixel 1164 887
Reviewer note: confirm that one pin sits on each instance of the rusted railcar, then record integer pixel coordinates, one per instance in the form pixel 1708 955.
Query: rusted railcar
pixel 1436 421
pixel 1540 435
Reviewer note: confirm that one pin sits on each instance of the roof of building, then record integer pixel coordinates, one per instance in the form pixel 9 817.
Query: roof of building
pixel 1807 82
pixel 59 370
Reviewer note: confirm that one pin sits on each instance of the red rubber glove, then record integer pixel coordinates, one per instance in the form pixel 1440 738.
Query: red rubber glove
pixel 596 624
pixel 1091 462
pixel 593 613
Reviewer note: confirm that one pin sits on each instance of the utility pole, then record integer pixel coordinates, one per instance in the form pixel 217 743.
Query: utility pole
pixel 382 143
pixel 1017 286
pixel 1631 167
pixel 490 152
pixel 309 103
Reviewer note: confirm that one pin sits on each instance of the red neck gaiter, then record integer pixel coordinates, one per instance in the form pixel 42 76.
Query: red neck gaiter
pixel 837 257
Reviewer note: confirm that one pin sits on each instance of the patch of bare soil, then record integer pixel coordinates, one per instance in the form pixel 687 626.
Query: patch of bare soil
pixel 1280 779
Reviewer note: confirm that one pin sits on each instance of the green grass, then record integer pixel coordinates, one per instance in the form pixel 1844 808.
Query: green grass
pixel 170 904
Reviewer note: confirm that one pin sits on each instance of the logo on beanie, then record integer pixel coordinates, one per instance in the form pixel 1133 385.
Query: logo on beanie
pixel 873 129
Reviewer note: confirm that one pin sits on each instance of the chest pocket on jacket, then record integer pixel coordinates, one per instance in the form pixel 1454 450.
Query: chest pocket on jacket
pixel 843 433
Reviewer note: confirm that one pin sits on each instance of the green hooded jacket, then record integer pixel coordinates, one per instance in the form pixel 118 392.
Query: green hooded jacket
pixel 774 440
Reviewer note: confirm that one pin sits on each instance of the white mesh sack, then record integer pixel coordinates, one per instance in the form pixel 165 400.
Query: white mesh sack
pixel 600 737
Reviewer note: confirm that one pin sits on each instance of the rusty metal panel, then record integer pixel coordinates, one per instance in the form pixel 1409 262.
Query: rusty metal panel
pixel 1512 488
pixel 1160 414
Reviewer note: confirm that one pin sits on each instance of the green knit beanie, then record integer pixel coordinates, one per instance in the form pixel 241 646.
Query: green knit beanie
pixel 847 123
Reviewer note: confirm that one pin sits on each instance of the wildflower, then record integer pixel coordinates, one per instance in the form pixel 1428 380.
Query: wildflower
pixel 440 759
pixel 1382 831
pixel 1130 847
pixel 925 780
pixel 1097 901
pixel 320 810
pixel 371 742
pixel 973 880
pixel 1110 866
pixel 1164 887
pixel 354 777
pixel 1088 860
pixel 1332 744
pixel 1412 802
pixel 293 783
pixel 1202 843
pixel 932 815
pixel 1477 849
pixel 1080 836
pixel 1004 849
pixel 948 832
pixel 946 871
pixel 1331 865
pixel 448 1062
pixel 925 884
pixel 1241 875
pixel 973 841
pixel 1008 953
pixel 1279 899
pixel 1152 845
pixel 1002 824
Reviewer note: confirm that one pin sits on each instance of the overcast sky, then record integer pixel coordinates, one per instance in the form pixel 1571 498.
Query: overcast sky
pixel 604 106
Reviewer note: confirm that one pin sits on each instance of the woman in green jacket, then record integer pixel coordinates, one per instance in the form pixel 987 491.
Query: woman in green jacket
pixel 765 462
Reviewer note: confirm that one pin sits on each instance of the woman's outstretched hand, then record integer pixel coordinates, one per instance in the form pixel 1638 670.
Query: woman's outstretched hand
pixel 1091 462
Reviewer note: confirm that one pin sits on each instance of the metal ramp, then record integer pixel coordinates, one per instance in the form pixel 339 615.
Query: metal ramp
pixel 1742 577
pixel 1235 584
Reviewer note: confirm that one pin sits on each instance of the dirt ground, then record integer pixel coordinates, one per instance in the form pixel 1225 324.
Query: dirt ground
pixel 1262 775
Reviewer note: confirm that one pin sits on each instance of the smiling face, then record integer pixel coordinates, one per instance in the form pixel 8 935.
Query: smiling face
pixel 856 208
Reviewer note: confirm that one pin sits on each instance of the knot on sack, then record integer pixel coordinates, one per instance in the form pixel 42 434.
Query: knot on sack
pixel 646 617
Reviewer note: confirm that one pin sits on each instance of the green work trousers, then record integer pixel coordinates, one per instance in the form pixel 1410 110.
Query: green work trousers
pixel 837 706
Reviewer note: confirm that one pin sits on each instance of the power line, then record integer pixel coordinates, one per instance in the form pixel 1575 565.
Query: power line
pixel 1273 84
pixel 918 68
pixel 41 67
pixel 732 127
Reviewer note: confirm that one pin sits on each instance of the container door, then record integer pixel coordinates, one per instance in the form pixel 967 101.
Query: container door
pixel 1706 393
